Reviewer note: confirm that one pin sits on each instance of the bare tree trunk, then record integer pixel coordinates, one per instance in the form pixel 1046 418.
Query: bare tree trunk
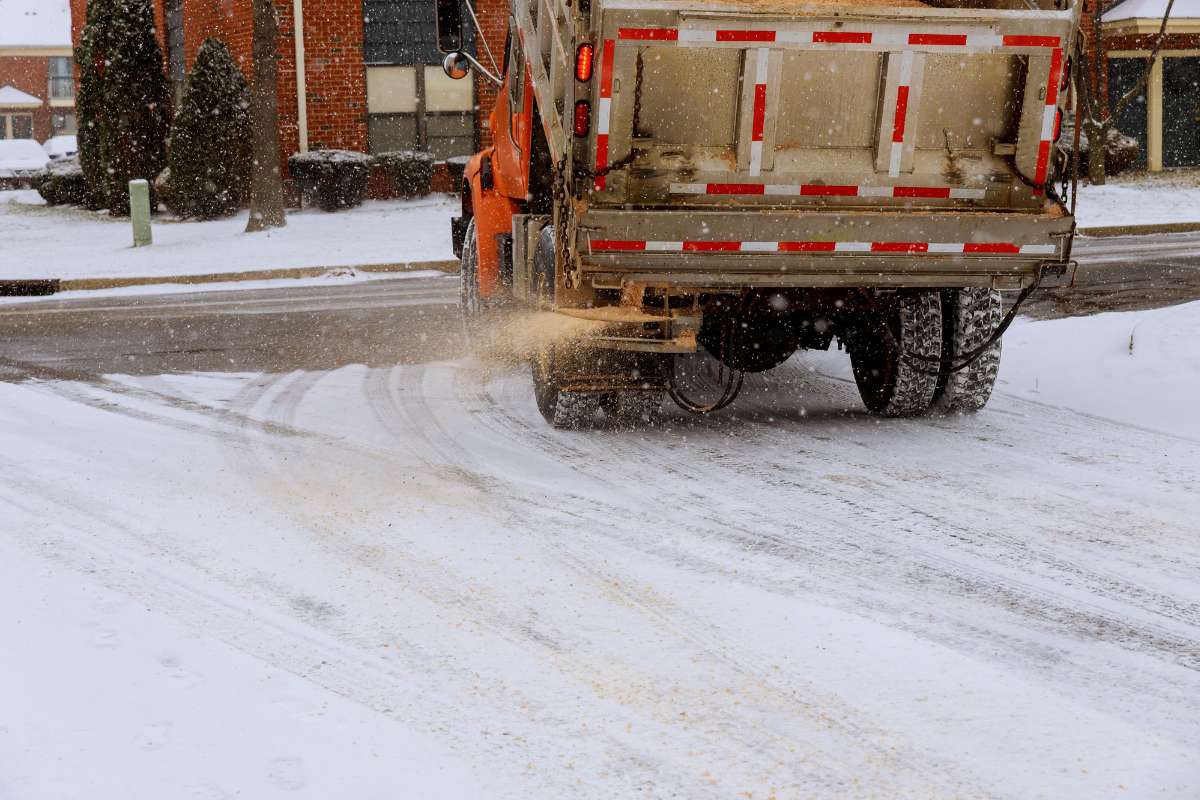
pixel 1098 123
pixel 266 180
pixel 1095 127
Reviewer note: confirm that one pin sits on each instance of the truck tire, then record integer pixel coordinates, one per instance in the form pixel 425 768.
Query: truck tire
pixel 890 380
pixel 562 409
pixel 634 408
pixel 971 316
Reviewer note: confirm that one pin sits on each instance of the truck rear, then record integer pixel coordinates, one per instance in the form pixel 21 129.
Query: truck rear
pixel 751 178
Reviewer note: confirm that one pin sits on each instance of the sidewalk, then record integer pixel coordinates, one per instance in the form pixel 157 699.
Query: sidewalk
pixel 85 249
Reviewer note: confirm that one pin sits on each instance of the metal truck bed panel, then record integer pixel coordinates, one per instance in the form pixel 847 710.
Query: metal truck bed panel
pixel 712 104
pixel 826 248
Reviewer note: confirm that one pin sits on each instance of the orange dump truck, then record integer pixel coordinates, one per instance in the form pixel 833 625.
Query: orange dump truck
pixel 751 178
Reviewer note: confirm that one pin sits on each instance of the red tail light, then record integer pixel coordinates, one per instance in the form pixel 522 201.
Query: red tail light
pixel 1066 76
pixel 583 118
pixel 585 58
pixel 1057 124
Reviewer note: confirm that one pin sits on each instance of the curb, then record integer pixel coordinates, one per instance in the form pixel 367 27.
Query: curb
pixel 42 288
pixel 1140 230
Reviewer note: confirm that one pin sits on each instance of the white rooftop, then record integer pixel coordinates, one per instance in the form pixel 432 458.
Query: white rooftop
pixel 1145 9
pixel 13 97
pixel 35 23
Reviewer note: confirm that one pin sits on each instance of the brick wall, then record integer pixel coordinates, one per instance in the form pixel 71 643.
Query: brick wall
pixel 30 74
pixel 493 19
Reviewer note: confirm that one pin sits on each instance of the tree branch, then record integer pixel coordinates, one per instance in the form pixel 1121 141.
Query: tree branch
pixel 1129 96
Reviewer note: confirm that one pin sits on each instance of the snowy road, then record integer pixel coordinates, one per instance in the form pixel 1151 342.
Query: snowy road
pixel 246 565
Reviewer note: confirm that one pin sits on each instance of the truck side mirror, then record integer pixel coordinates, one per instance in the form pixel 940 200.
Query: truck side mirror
pixel 456 65
pixel 449 26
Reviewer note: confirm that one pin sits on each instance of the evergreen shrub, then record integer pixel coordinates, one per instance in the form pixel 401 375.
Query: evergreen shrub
pixel 331 179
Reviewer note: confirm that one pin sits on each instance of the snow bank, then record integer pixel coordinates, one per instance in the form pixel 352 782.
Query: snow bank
pixel 1140 368
pixel 73 243
pixel 1140 200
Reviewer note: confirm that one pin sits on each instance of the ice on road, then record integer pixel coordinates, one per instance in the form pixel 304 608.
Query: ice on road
pixel 399 582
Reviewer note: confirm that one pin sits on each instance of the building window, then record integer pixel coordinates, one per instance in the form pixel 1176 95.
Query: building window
pixel 176 58
pixel 62 79
pixel 411 104
pixel 16 126
pixel 64 125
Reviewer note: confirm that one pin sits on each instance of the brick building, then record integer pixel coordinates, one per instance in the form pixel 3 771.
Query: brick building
pixel 369 77
pixel 37 87
pixel 1166 116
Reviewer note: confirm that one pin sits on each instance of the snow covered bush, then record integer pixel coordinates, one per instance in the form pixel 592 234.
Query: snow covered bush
pixel 63 184
pixel 125 99
pixel 331 179
pixel 410 171
pixel 209 157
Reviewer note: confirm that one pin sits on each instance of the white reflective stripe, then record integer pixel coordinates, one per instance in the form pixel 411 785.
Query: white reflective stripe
pixel 968 194
pixel 890 39
pixel 852 247
pixel 604 113
pixel 763 59
pixel 894 164
pixel 984 41
pixel 756 157
pixel 945 247
pixel 906 65
pixel 1048 123
pixel 793 37
pixel 760 247
pixel 689 188
pixel 782 189
pixel 667 247
pixel 1038 249
pixel 689 35
pixel 875 191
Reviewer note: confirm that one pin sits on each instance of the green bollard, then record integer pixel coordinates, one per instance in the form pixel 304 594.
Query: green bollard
pixel 139 212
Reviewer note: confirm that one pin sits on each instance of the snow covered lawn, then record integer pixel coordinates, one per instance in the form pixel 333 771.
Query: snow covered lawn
pixel 1141 199
pixel 67 243
pixel 1141 367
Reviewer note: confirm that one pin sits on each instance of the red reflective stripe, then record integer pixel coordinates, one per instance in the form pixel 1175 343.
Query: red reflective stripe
pixel 1031 41
pixel 920 191
pixel 939 39
pixel 807 247
pixel 617 244
pixel 715 247
pixel 649 34
pixel 899 247
pixel 601 160
pixel 1055 73
pixel 606 68
pixel 901 113
pixel 745 36
pixel 991 247
pixel 815 190
pixel 840 37
pixel 1043 159
pixel 760 112
pixel 735 188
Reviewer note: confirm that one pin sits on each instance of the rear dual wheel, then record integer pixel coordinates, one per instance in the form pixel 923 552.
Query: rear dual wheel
pixel 556 363
pixel 970 317
pixel 905 368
